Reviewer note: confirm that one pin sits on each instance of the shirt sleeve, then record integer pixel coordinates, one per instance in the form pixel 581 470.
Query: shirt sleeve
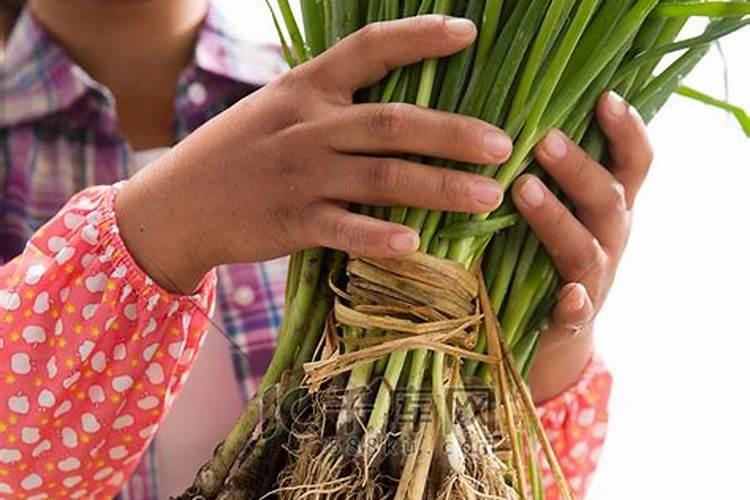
pixel 576 425
pixel 92 354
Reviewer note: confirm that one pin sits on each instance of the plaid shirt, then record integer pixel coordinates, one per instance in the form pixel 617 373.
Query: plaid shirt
pixel 59 135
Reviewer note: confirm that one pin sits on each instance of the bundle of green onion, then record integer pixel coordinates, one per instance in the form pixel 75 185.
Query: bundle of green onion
pixel 536 65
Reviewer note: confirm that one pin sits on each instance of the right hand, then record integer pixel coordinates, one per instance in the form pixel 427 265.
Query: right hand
pixel 274 173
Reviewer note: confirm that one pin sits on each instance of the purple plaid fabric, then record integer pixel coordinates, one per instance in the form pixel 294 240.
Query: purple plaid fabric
pixel 59 134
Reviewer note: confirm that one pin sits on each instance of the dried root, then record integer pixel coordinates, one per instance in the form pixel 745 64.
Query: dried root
pixel 318 472
pixel 325 465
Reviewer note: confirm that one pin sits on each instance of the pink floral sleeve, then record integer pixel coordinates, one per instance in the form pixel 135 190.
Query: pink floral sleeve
pixel 92 354
pixel 576 425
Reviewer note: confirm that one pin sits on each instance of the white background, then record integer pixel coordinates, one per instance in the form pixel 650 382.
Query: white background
pixel 676 329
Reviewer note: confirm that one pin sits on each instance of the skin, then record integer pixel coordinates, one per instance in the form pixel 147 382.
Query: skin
pixel 286 161
pixel 155 36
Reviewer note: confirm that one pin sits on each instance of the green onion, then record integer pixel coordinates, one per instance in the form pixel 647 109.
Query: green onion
pixel 742 116
pixel 536 65
pixel 704 9
pixel 475 229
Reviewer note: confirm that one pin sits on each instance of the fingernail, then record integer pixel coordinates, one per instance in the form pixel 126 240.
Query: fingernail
pixel 532 193
pixel 577 299
pixel 497 144
pixel 554 144
pixel 404 242
pixel 460 27
pixel 616 105
pixel 487 192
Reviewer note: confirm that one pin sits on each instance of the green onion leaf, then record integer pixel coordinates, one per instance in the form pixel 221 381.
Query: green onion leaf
pixel 288 56
pixel 475 228
pixel 702 9
pixel 298 44
pixel 742 117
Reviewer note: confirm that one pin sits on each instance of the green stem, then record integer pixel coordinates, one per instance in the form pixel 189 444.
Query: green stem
pixel 292 282
pixel 313 17
pixel 317 318
pixel 551 26
pixel 520 302
pixel 703 9
pixel 344 19
pixel 489 29
pixel 296 322
pixel 298 44
pixel 377 421
pixel 419 359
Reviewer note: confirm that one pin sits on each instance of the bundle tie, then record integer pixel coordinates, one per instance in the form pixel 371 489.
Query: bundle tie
pixel 423 302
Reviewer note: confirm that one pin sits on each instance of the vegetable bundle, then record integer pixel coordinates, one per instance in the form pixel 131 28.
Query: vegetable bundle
pixel 373 388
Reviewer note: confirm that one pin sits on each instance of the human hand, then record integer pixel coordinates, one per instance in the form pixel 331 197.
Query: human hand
pixel 586 247
pixel 274 173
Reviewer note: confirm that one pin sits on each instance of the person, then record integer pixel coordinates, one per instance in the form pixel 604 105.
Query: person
pixel 108 285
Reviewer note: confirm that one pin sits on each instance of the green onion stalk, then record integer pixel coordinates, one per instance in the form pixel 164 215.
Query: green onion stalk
pixel 536 65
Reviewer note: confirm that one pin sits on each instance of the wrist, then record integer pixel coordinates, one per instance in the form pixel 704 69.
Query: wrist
pixel 160 225
pixel 559 363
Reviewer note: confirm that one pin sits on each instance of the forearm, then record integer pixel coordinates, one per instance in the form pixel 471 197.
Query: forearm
pixel 559 363
pixel 160 222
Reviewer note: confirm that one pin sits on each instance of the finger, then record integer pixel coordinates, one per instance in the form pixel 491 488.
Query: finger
pixel 391 181
pixel 574 250
pixel 408 129
pixel 598 196
pixel 573 311
pixel 335 227
pixel 629 147
pixel 367 55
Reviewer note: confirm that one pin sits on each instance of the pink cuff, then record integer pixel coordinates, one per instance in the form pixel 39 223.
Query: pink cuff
pixel 576 425
pixel 134 274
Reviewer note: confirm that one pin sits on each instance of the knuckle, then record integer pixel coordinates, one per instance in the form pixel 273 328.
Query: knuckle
pixel 368 41
pixel 449 188
pixel 617 198
pixel 600 259
pixel 306 80
pixel 282 219
pixel 351 237
pixel 556 214
pixel 293 77
pixel 456 133
pixel 390 121
pixel 427 23
pixel 299 76
pixel 423 24
pixel 385 176
pixel 579 168
pixel 588 259
pixel 369 35
pixel 370 31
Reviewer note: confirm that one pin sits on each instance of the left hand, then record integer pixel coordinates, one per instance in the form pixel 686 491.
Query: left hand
pixel 586 247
